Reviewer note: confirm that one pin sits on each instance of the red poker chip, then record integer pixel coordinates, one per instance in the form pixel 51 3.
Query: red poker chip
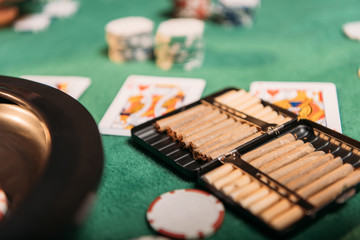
pixel 186 214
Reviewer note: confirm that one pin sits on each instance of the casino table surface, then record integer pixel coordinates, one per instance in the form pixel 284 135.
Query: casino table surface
pixel 290 41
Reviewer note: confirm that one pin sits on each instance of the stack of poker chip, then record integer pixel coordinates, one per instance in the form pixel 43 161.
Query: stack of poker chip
pixel 130 39
pixel 199 9
pixel 179 43
pixel 236 12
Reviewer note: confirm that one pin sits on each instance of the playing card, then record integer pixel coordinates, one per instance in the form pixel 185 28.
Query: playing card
pixel 72 85
pixel 142 98
pixel 311 100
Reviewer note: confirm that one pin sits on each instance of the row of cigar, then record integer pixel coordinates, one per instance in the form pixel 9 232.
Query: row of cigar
pixel 315 176
pixel 204 128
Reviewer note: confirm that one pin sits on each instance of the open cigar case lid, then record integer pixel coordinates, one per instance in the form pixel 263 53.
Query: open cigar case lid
pixel 299 204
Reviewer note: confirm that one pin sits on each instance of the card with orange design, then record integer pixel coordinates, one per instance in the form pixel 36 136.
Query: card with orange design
pixel 311 100
pixel 142 98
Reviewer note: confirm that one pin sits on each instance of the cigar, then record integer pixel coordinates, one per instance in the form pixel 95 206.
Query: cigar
pixel 225 96
pixel 287 158
pixel 221 139
pixel 245 190
pixel 253 109
pixel 295 165
pixel 253 197
pixel 319 199
pixel 275 210
pixel 314 174
pixel 269 117
pixel 252 100
pixel 278 120
pixel 230 96
pixel 163 124
pixel 325 180
pixel 217 173
pixel 286 119
pixel 287 218
pixel 238 183
pixel 305 169
pixel 265 111
pixel 261 161
pixel 211 133
pixel 203 125
pixel 240 100
pixel 264 203
pixel 220 149
pixel 277 143
pixel 228 178
pixel 215 115
pixel 331 192
pixel 228 149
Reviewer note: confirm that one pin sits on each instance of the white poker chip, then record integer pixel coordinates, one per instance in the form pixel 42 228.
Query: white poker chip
pixel 61 8
pixel 178 27
pixel 186 214
pixel 32 23
pixel 352 30
pixel 129 26
pixel 240 3
pixel 3 204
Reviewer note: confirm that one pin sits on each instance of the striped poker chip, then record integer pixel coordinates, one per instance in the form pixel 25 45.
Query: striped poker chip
pixel 3 204
pixel 186 214
pixel 352 30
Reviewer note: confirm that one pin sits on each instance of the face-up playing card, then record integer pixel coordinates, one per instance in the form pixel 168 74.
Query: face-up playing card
pixel 142 98
pixel 72 85
pixel 314 101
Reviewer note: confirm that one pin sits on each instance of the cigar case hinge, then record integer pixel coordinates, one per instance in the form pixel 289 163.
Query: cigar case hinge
pixel 274 130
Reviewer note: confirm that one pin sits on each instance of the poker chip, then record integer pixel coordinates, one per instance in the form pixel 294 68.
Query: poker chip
pixel 179 44
pixel 192 8
pixel 352 30
pixel 236 12
pixel 32 23
pixel 186 214
pixel 130 39
pixel 60 8
pixel 3 204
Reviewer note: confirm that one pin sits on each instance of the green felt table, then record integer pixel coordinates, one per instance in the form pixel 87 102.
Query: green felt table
pixel 290 41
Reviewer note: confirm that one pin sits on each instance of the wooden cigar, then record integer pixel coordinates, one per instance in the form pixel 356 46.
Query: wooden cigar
pixel 331 192
pixel 228 149
pixel 211 133
pixel 228 97
pixel 253 197
pixel 261 161
pixel 221 148
pixel 203 126
pixel 253 109
pixel 277 143
pixel 288 158
pixel 245 190
pixel 287 218
pixel 238 183
pixel 163 124
pixel 275 210
pixel 295 165
pixel 212 116
pixel 264 203
pixel 305 169
pixel 230 177
pixel 314 174
pixel 217 173
pixel 325 180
